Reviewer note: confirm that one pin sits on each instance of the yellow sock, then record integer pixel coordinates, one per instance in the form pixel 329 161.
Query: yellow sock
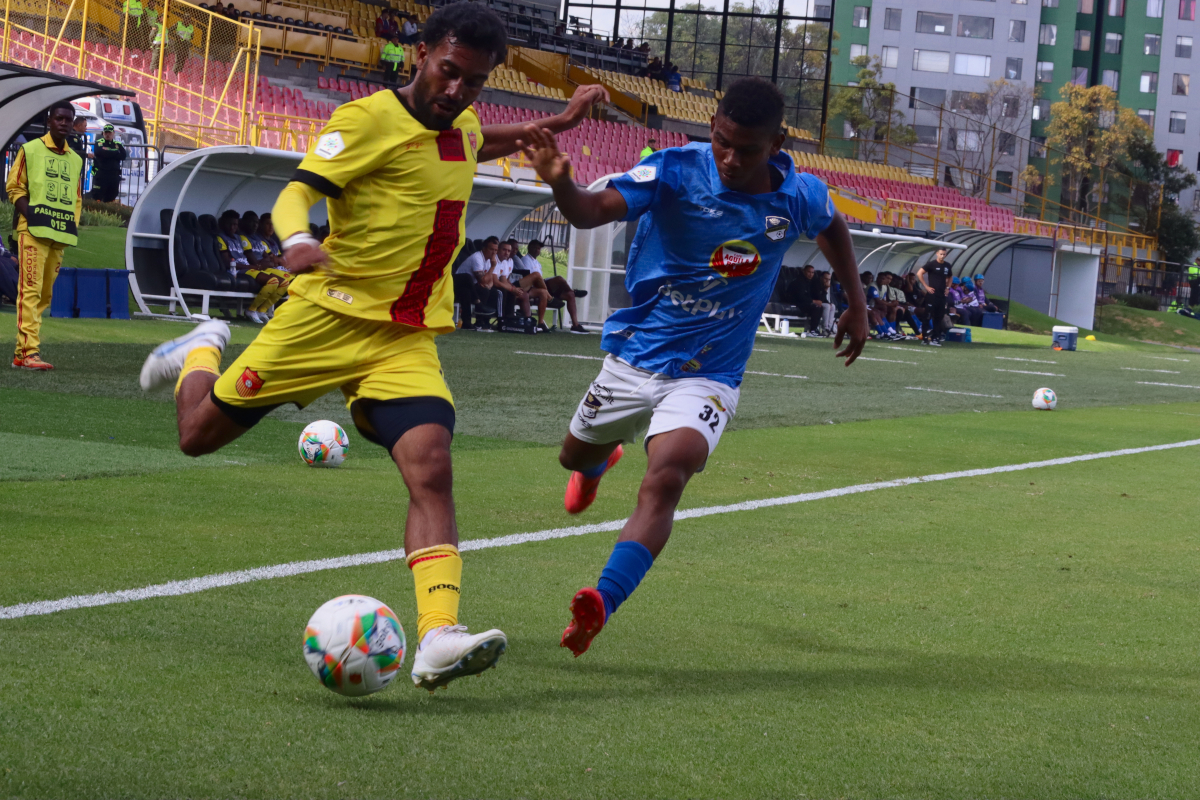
pixel 437 576
pixel 201 359
pixel 266 296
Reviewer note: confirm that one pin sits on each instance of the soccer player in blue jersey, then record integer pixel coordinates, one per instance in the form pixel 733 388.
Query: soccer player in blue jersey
pixel 714 222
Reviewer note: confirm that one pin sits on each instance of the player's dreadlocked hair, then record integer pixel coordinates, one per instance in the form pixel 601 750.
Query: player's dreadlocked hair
pixel 470 24
pixel 753 103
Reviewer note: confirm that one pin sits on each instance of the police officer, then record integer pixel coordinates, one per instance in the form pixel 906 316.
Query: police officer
pixel 182 39
pixel 392 58
pixel 107 155
pixel 650 149
pixel 78 142
pixel 135 35
pixel 935 277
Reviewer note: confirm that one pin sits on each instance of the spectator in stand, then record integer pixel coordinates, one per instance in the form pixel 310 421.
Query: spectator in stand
pixel 674 79
pixel 616 43
pixel 628 45
pixel 650 149
pixel 654 69
pixel 408 31
pixel 386 25
pixel 935 278
pixel 556 287
pixel 643 48
pixel 232 13
pixel 473 282
pixel 391 58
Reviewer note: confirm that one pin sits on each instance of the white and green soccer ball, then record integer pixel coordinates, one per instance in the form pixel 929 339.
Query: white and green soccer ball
pixel 323 444
pixel 1045 399
pixel 354 645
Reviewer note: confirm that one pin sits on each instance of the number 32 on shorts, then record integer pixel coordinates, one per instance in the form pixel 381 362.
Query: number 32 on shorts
pixel 711 415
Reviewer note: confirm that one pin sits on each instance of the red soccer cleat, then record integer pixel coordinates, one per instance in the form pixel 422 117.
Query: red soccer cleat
pixel 32 361
pixel 587 619
pixel 581 491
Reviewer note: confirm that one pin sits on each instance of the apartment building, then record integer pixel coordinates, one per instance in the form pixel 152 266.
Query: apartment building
pixel 1141 49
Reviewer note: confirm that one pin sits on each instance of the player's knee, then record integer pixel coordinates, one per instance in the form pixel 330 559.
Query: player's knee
pixel 432 476
pixel 666 481
pixel 192 443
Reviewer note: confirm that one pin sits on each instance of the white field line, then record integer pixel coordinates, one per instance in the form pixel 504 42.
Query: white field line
pixel 763 350
pixel 1027 372
pixel 947 391
pixel 1166 358
pixel 558 355
pixel 1137 369
pixel 1032 360
pixel 776 375
pixel 194 585
pixel 910 349
pixel 888 360
pixel 1176 385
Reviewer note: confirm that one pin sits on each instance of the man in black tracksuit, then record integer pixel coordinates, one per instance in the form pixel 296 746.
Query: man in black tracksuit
pixel 107 155
pixel 935 277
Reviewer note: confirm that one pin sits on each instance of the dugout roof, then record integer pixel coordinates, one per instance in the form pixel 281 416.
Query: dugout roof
pixel 26 93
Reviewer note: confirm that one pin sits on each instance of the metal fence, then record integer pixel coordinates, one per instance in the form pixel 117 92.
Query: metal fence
pixel 195 73
pixel 137 171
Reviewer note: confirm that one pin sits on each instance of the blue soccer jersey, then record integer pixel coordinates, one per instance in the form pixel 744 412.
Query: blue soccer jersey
pixel 704 261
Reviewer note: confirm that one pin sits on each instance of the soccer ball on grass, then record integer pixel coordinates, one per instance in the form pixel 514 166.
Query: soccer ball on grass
pixel 354 644
pixel 323 444
pixel 1045 399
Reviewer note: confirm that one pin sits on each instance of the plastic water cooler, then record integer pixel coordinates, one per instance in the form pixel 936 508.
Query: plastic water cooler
pixel 1065 337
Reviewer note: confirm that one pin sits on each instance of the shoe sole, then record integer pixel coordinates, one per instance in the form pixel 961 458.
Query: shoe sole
pixel 144 379
pixel 481 657
pixel 32 369
pixel 587 615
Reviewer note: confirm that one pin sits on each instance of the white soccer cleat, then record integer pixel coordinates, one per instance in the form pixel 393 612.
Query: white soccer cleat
pixel 165 362
pixel 450 652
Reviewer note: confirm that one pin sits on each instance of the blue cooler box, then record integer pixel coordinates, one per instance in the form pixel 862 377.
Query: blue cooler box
pixel 91 293
pixel 118 293
pixel 62 297
pixel 993 319
pixel 1066 337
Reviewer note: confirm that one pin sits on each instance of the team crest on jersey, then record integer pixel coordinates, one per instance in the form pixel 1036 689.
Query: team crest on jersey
pixel 249 383
pixel 777 228
pixel 735 259
pixel 474 142
pixel 330 145
pixel 716 401
pixel 643 173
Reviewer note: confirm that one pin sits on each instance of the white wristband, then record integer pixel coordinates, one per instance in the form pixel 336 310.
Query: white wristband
pixel 299 238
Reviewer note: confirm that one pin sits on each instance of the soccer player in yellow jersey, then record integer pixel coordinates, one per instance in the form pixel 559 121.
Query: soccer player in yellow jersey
pixel 396 169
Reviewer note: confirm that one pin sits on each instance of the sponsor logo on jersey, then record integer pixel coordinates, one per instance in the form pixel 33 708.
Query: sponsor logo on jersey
pixel 735 259
pixel 249 383
pixel 643 173
pixel 330 145
pixel 450 145
pixel 336 295
pixel 777 228
pixel 692 305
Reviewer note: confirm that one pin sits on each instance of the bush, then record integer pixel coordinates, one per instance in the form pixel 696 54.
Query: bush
pixel 112 209
pixel 102 219
pixel 1105 301
pixel 101 215
pixel 1147 302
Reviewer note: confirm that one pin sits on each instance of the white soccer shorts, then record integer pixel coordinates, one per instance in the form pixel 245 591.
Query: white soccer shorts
pixel 625 403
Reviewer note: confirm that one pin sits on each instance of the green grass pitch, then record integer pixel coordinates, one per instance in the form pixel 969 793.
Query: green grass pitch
pixel 1018 634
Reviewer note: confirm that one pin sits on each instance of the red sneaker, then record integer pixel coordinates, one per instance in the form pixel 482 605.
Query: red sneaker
pixel 33 362
pixel 587 619
pixel 581 491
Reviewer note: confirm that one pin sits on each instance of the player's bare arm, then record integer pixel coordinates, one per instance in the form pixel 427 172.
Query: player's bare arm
pixel 582 208
pixel 504 140
pixel 838 249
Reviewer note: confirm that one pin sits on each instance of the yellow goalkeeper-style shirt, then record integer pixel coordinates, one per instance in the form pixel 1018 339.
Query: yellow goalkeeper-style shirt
pixel 397 196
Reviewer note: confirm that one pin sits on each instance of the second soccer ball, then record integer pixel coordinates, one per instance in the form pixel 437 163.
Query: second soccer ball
pixel 1045 399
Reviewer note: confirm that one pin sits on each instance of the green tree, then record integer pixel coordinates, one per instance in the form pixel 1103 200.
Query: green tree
pixel 1090 134
pixel 869 111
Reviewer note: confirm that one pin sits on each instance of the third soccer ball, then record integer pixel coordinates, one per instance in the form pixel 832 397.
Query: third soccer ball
pixel 1045 399
pixel 354 645
pixel 324 444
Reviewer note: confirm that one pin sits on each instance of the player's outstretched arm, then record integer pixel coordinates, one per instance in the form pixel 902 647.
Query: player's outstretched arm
pixel 838 249
pixel 301 251
pixel 504 140
pixel 582 208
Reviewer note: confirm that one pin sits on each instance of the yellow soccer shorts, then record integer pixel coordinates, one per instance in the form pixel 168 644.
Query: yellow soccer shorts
pixel 307 351
pixel 38 260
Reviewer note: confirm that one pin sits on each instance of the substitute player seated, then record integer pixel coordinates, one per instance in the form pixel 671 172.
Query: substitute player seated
pixel 265 257
pixel 714 222
pixel 233 253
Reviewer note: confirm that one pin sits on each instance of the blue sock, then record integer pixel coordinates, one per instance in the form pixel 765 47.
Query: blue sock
pixel 596 471
pixel 625 569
